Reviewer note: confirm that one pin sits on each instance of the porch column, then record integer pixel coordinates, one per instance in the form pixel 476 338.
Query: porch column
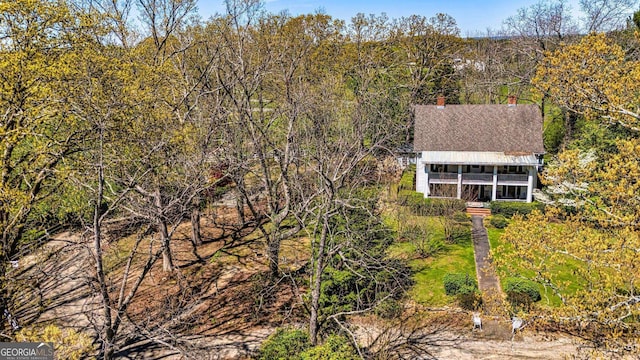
pixel 427 188
pixel 530 184
pixel 420 175
pixel 494 187
pixel 459 196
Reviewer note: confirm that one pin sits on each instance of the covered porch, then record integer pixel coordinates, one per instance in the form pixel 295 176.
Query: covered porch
pixel 476 176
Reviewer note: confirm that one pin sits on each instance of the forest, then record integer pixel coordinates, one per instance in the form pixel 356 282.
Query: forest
pixel 169 182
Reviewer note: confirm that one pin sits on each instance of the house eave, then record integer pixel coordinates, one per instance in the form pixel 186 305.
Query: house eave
pixel 478 158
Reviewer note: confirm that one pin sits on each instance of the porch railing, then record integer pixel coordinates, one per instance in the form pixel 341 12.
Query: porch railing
pixel 477 177
pixel 513 177
pixel 443 176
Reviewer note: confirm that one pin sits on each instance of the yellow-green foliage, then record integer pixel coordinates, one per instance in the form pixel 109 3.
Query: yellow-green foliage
pixel 594 78
pixel 68 344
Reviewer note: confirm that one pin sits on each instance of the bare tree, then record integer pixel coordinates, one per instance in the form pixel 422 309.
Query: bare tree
pixel 536 29
pixel 101 105
pixel 339 140
pixel 606 15
pixel 262 74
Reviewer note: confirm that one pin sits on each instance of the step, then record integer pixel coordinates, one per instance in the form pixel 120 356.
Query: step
pixel 479 211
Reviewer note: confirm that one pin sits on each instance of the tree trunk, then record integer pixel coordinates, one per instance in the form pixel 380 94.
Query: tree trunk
pixel 195 226
pixel 107 348
pixel 167 258
pixel 316 283
pixel 273 253
pixel 109 334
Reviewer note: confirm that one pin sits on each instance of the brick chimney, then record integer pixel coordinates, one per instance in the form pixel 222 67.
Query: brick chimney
pixel 511 101
pixel 440 103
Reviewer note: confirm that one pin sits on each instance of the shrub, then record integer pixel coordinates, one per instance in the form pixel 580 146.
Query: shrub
pixel 411 232
pixel 444 207
pixel 284 344
pixel 419 236
pixel 521 291
pixel 456 233
pixel 410 198
pixel 510 208
pixel 389 308
pixel 428 246
pixel 498 221
pixel 407 179
pixel 457 283
pixel 68 343
pixel 419 205
pixel 334 348
pixel 461 217
pixel 469 298
pixel 464 288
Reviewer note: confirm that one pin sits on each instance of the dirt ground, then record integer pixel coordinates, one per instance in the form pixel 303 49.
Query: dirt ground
pixel 218 306
pixel 529 347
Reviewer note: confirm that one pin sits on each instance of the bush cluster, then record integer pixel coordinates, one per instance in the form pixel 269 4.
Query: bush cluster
pixel 464 288
pixel 418 205
pixel 287 344
pixel 510 208
pixel 498 221
pixel 521 292
pixel 283 344
pixel 457 283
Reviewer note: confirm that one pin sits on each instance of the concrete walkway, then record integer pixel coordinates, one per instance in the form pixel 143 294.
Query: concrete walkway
pixel 488 281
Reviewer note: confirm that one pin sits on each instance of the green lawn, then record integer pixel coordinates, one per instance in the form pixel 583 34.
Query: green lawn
pixel 429 272
pixel 561 273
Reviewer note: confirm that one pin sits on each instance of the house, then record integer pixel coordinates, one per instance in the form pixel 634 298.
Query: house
pixel 478 152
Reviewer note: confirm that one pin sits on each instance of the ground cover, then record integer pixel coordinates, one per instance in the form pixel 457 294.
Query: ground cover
pixel 503 252
pixel 429 271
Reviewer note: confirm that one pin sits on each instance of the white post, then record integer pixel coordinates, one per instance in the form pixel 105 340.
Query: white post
pixel 420 172
pixel 530 184
pixel 494 187
pixel 459 182
pixel 427 189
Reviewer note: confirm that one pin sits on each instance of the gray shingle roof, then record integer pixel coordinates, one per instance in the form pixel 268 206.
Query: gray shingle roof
pixel 497 128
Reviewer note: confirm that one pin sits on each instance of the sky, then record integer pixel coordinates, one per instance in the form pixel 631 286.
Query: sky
pixel 473 17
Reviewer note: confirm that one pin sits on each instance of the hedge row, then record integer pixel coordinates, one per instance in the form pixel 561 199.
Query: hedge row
pixel 406 182
pixel 420 205
pixel 510 208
